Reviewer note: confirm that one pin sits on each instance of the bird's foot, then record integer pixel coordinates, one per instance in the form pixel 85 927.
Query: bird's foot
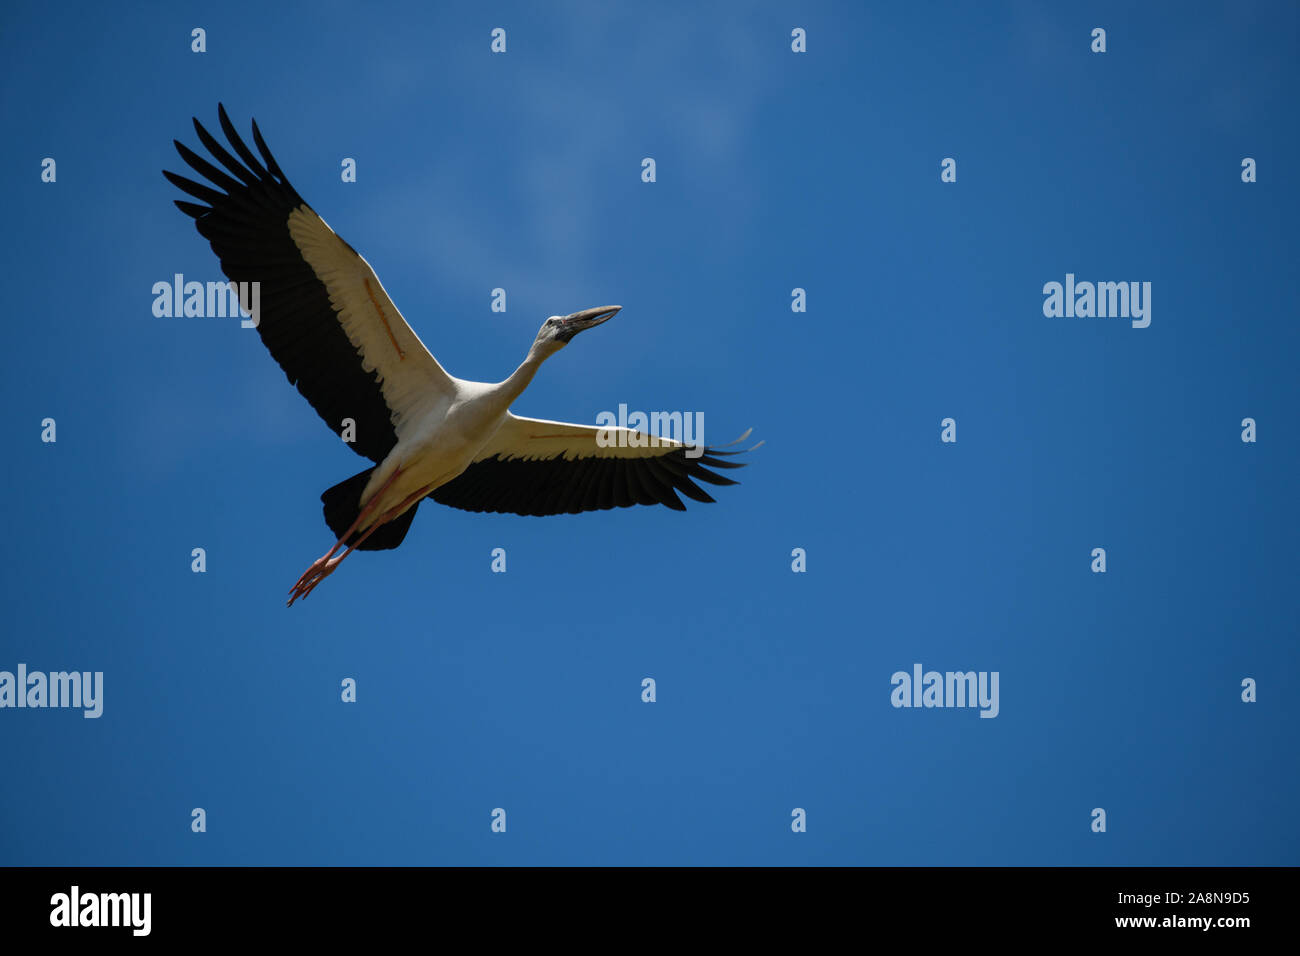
pixel 321 569
pixel 311 572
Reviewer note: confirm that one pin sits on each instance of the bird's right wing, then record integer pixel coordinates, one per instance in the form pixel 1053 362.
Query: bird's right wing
pixel 323 313
pixel 536 467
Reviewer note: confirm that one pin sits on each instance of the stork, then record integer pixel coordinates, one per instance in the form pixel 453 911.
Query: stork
pixel 326 319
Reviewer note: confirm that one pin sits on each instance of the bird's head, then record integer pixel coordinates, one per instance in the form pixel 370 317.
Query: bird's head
pixel 558 330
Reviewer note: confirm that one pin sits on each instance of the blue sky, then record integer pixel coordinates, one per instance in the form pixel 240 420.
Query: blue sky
pixel 775 170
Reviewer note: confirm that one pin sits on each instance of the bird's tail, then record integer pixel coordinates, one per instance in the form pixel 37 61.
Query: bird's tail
pixel 343 504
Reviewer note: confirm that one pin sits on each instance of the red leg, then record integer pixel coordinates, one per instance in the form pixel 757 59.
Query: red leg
pixel 361 516
pixel 327 564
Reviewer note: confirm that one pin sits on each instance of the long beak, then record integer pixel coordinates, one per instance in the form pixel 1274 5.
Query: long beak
pixel 588 319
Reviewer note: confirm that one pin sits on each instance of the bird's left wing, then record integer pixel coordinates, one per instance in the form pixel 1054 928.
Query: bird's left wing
pixel 323 313
pixel 536 467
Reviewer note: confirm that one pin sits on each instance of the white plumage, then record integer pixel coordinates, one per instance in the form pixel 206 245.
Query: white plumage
pixel 327 320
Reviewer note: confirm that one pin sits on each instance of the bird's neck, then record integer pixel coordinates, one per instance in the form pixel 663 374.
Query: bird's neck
pixel 514 386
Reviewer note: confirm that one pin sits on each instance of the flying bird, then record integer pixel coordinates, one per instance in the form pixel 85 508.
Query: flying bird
pixel 326 319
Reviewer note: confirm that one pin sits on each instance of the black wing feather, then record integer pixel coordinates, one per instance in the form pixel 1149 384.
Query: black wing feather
pixel 558 486
pixel 248 228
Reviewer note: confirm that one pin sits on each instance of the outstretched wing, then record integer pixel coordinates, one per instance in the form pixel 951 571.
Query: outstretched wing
pixel 323 313
pixel 536 467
